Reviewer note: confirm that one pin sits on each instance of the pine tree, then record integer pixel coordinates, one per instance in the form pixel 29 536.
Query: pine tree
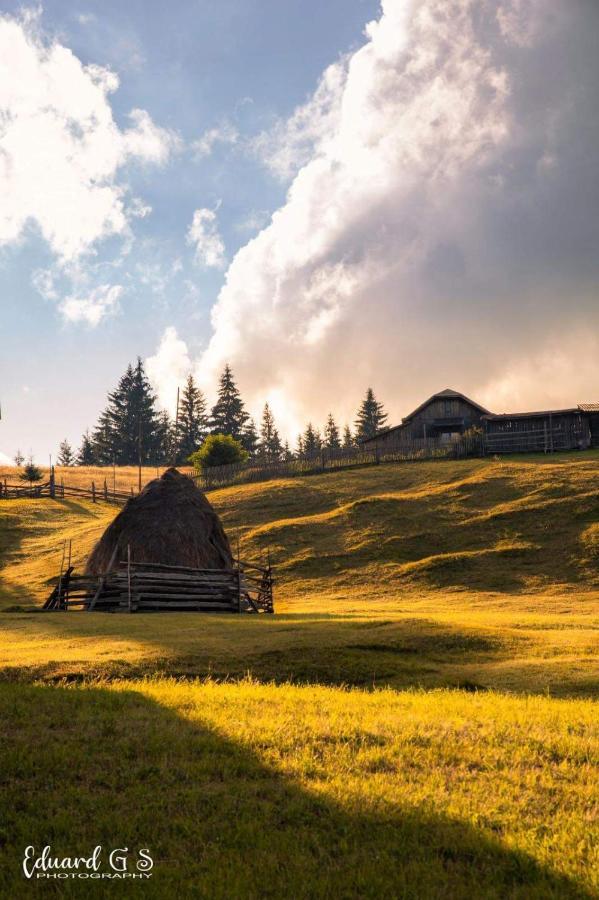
pixel 228 414
pixel 19 459
pixel 66 457
pixel 193 424
pixel 249 438
pixel 129 426
pixel 331 434
pixel 287 454
pixel 166 432
pixel 348 438
pixel 300 446
pixel 86 455
pixel 31 473
pixel 312 441
pixel 371 417
pixel 270 448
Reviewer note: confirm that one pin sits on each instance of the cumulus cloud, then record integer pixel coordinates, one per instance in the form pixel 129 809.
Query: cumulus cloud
pixel 169 367
pixel 61 150
pixel 102 301
pixel 203 235
pixel 442 227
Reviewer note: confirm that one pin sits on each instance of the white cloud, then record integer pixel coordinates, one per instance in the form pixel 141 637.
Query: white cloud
pixel 169 367
pixel 203 235
pixel 225 133
pixel 293 142
pixel 442 226
pixel 60 148
pixel 101 302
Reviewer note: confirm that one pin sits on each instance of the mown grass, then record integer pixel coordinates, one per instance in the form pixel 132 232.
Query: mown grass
pixel 421 718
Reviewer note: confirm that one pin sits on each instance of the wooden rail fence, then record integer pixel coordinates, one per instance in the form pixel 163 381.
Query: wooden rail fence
pixel 147 587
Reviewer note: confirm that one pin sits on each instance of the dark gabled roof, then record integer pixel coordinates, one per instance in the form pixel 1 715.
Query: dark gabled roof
pixel 447 394
pixel 589 407
pixel 532 415
pixel 381 433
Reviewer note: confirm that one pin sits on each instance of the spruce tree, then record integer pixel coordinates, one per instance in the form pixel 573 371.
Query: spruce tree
pixel 166 433
pixel 348 438
pixel 287 454
pixel 129 423
pixel 31 473
pixel 193 423
pixel 331 434
pixel 270 448
pixel 228 414
pixel 249 438
pixel 371 417
pixel 19 459
pixel 312 441
pixel 66 457
pixel 300 446
pixel 86 455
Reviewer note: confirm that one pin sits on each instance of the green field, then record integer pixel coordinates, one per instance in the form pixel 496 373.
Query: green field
pixel 419 719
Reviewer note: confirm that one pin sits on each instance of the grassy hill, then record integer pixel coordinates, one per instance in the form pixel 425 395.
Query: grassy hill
pixel 419 718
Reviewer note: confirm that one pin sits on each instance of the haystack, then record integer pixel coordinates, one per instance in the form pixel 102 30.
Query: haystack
pixel 170 522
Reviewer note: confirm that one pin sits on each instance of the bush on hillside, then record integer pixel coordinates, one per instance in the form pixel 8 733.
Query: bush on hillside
pixel 218 450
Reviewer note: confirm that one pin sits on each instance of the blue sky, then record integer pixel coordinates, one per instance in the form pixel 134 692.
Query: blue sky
pixel 192 66
pixel 325 195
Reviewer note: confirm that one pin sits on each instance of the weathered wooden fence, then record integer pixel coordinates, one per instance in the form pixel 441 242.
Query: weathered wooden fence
pixel 152 587
pixel 329 460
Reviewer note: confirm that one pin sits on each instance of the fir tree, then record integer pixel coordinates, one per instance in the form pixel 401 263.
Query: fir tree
pixel 287 454
pixel 86 455
pixel 31 473
pixel 270 448
pixel 129 427
pixel 300 446
pixel 312 441
pixel 66 457
pixel 249 438
pixel 331 434
pixel 228 414
pixel 19 459
pixel 348 438
pixel 371 417
pixel 166 433
pixel 193 424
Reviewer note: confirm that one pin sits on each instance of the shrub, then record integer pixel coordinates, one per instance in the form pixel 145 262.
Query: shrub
pixel 218 450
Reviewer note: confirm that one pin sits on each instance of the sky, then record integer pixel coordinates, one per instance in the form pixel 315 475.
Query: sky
pixel 325 196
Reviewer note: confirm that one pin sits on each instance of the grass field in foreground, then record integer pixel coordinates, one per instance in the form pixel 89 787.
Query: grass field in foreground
pixel 476 574
pixel 248 790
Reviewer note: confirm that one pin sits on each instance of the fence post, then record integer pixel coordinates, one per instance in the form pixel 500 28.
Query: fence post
pixel 93 492
pixel 105 490
pixel 52 483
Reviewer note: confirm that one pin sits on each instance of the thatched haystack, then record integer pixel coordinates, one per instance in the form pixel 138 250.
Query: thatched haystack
pixel 170 522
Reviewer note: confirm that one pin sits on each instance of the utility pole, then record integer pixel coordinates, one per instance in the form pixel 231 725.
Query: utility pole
pixel 139 458
pixel 176 436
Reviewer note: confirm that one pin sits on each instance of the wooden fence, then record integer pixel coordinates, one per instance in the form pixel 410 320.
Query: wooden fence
pixel 152 587
pixel 329 460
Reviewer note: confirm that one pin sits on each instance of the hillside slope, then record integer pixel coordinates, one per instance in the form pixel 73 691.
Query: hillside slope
pixel 475 573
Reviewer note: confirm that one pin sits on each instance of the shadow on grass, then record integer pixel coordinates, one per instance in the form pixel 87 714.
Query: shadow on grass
pixel 407 653
pixel 88 767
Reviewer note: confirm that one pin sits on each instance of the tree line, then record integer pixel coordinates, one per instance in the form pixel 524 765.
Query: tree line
pixel 132 430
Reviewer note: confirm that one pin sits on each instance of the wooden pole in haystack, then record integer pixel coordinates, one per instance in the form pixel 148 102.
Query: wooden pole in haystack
pixel 176 438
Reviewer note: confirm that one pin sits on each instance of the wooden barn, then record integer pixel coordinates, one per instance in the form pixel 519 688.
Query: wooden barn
pixel 446 416
pixel 545 431
pixel 443 417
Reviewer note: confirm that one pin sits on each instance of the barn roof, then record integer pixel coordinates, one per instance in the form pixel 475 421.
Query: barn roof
pixel 589 407
pixel 447 394
pixel 532 415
